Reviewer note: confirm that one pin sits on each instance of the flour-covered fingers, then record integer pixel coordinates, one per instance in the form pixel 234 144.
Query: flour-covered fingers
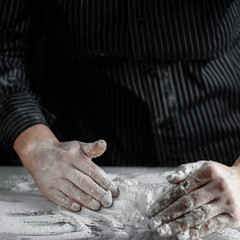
pixel 185 204
pixel 92 170
pixel 183 171
pixel 191 219
pixel 190 183
pixel 217 223
pixel 90 187
pixel 178 191
pixel 98 175
pixel 61 199
pixel 78 195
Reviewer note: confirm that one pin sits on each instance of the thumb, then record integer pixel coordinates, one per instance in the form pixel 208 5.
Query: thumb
pixel 93 150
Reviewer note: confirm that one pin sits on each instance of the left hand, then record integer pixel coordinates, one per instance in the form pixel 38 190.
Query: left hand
pixel 206 199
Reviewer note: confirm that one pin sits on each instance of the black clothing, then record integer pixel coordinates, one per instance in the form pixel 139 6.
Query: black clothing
pixel 158 80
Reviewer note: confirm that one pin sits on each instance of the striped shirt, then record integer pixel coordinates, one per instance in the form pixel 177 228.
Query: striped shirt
pixel 159 80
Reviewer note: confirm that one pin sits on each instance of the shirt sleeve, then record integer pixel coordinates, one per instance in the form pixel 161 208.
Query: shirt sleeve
pixel 19 108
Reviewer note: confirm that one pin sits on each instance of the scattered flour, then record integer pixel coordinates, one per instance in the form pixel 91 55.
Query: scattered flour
pixel 25 214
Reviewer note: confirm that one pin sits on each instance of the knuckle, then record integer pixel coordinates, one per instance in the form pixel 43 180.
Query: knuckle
pixel 213 224
pixel 194 233
pixel 59 198
pixel 205 209
pixel 212 170
pixel 200 215
pixel 78 178
pixel 187 202
pixel 196 197
pixel 79 197
pixel 185 223
pixel 92 168
pixel 187 184
pixel 206 227
pixel 222 185
pixel 181 190
pixel 231 202
pixel 75 145
pixel 82 197
pixel 73 150
pixel 61 185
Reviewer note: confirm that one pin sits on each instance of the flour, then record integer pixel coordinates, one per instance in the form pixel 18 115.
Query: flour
pixel 25 214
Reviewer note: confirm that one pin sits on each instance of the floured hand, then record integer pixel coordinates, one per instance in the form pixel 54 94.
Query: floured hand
pixel 206 199
pixel 64 172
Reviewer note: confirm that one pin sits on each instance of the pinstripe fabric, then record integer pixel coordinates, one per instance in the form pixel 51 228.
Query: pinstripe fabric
pixel 159 79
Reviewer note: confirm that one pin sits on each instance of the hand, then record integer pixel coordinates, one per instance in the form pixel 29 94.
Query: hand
pixel 65 174
pixel 206 199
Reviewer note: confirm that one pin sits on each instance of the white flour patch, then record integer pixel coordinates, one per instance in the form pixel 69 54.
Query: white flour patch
pixel 25 214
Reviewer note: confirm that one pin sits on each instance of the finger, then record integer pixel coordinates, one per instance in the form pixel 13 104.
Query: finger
pixel 93 150
pixel 97 174
pixel 78 195
pixel 100 177
pixel 217 223
pixel 61 199
pixel 183 171
pixel 191 219
pixel 186 204
pixel 178 191
pixel 86 184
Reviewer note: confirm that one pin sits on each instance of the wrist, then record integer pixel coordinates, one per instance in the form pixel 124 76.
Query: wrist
pixel 27 141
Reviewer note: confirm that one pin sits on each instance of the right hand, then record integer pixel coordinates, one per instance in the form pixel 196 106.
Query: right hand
pixel 65 174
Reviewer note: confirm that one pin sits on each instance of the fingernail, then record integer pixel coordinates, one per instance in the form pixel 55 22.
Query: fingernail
pixel 95 205
pixel 171 177
pixel 102 142
pixel 107 199
pixel 153 209
pixel 165 230
pixel 149 213
pixel 75 207
pixel 113 188
pixel 109 183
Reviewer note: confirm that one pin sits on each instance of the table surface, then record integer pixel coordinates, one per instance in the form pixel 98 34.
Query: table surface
pixel 17 188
